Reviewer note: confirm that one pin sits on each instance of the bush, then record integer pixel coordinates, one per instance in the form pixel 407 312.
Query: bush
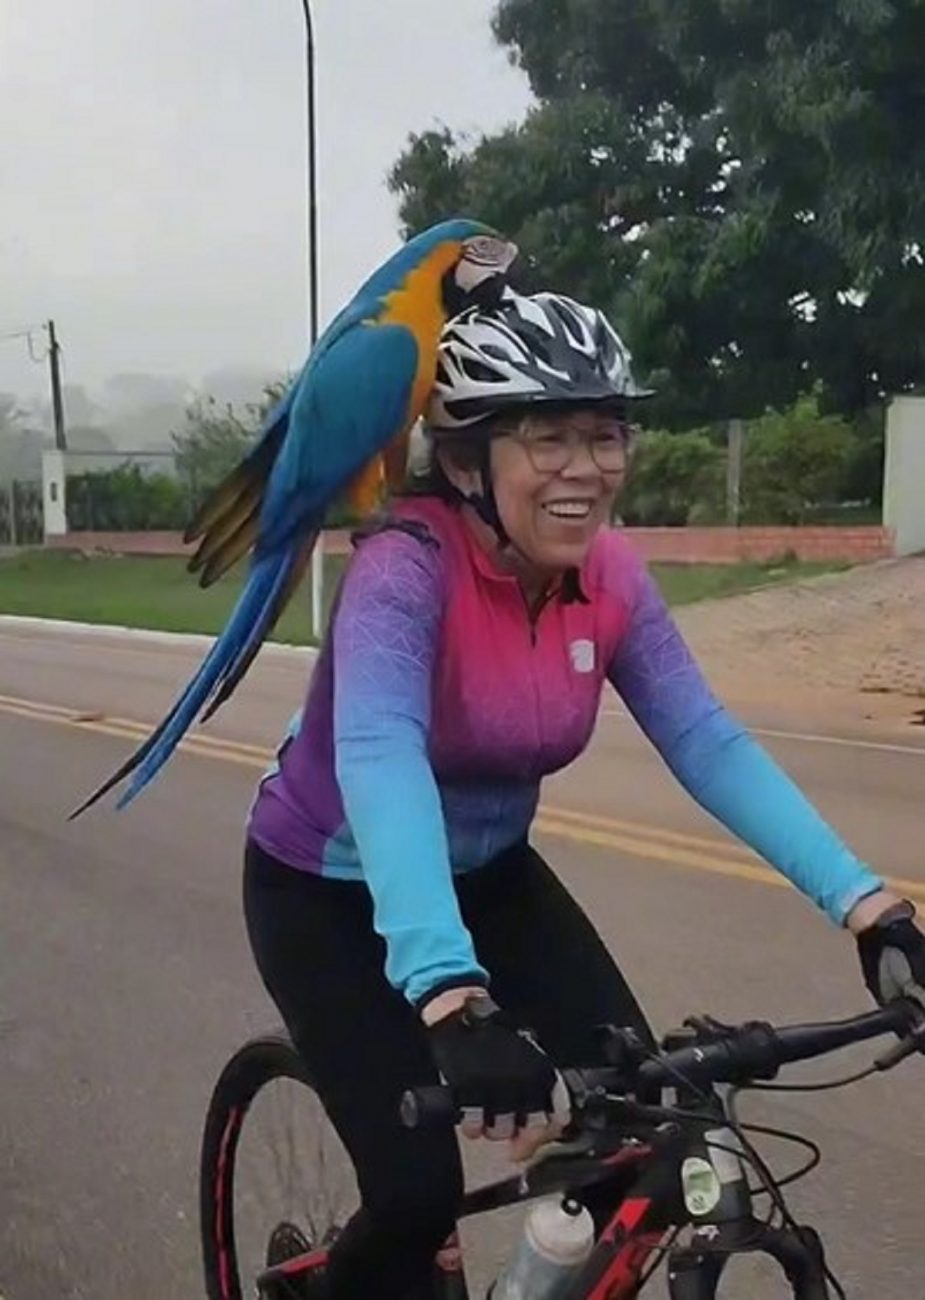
pixel 675 479
pixel 125 500
pixel 795 462
pixel 799 467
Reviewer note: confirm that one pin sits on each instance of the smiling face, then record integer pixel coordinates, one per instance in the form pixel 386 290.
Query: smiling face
pixel 556 476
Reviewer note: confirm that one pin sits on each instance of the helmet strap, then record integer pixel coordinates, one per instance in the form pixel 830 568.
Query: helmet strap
pixel 484 502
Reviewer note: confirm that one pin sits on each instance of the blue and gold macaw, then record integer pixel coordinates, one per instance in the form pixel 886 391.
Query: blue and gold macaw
pixel 343 424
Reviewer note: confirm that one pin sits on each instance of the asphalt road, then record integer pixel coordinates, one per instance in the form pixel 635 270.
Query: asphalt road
pixel 125 977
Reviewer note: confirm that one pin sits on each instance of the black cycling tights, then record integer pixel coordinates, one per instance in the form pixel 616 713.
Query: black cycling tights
pixel 322 963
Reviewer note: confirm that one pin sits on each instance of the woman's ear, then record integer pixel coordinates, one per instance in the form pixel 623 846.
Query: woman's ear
pixel 465 480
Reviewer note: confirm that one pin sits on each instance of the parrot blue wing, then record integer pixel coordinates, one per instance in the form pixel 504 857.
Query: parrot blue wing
pixel 355 402
pixel 228 523
pixel 377 365
pixel 360 395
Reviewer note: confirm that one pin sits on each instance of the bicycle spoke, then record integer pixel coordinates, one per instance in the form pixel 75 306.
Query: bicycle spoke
pixel 290 1169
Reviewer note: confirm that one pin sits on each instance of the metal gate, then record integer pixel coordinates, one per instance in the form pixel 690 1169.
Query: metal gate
pixel 21 514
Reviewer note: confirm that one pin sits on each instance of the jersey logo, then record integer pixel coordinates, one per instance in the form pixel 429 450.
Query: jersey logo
pixel 582 655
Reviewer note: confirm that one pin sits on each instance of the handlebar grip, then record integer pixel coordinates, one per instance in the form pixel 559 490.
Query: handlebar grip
pixel 429 1107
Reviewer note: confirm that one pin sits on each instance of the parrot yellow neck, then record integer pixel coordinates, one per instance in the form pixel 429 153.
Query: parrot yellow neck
pixel 418 301
pixel 418 305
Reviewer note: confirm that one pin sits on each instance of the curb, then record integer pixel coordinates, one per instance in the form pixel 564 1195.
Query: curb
pixel 192 640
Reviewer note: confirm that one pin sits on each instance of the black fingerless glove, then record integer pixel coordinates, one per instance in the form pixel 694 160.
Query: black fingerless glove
pixel 490 1064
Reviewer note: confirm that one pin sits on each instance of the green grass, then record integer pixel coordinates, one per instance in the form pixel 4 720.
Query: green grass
pixel 137 591
pixel 157 592
pixel 683 583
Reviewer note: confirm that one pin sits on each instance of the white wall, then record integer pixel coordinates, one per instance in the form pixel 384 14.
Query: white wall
pixel 904 473
pixel 53 490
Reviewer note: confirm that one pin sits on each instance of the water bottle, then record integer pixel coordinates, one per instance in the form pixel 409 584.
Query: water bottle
pixel 558 1237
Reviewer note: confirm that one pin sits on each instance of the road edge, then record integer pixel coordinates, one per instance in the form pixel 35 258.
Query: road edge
pixel 193 640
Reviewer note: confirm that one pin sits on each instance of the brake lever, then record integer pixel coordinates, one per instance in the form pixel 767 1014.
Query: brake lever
pixel 913 1042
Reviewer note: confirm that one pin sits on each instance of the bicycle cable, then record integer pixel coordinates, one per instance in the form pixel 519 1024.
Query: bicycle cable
pixel 825 1086
pixel 777 1197
pixel 760 1167
pixel 663 1248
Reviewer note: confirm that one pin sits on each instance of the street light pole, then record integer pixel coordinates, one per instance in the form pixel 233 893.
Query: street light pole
pixel 312 174
pixel 311 144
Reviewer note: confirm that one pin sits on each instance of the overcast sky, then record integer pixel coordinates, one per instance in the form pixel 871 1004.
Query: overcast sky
pixel 152 172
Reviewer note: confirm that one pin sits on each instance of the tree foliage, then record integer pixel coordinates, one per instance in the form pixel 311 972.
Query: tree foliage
pixel 210 444
pixel 741 185
pixel 214 438
pixel 20 446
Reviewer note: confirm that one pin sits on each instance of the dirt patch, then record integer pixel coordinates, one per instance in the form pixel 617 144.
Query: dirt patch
pixel 857 638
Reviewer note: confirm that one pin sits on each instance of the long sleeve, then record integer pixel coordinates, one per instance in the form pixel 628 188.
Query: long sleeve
pixel 720 764
pixel 385 633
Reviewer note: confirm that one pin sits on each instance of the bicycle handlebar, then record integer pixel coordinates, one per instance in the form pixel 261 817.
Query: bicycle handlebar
pixel 736 1055
pixel 757 1051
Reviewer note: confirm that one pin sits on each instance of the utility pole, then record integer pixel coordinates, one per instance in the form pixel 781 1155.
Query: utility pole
pixel 57 405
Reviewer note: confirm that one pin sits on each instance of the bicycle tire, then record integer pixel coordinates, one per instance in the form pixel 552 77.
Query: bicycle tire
pixel 258 1063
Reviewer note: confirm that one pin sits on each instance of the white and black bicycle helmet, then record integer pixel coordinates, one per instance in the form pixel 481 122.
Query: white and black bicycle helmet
pixel 526 350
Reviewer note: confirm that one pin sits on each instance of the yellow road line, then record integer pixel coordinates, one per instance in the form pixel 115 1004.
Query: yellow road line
pixel 643 829
pixel 651 848
pixel 638 839
pixel 232 751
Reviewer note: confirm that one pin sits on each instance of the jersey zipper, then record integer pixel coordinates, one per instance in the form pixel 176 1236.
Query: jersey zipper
pixel 533 618
pixel 533 615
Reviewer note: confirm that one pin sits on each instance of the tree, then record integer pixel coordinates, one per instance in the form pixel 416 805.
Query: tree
pixel 741 186
pixel 20 446
pixel 210 444
pixel 214 439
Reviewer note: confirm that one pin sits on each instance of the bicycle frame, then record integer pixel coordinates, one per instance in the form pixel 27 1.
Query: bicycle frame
pixel 684 1175
pixel 655 1190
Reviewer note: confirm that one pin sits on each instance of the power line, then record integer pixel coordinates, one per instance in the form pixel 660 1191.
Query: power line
pixel 28 333
pixel 20 334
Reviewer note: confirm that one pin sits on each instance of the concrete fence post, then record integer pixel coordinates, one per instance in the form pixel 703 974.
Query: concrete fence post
pixel 904 473
pixel 54 494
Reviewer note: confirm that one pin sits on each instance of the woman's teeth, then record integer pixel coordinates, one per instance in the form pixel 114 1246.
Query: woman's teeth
pixel 568 509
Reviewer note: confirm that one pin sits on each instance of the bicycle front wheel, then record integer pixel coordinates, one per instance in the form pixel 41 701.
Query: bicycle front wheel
pixel 275 1180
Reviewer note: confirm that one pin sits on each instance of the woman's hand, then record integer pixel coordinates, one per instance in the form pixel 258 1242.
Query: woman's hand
pixel 891 947
pixel 505 1083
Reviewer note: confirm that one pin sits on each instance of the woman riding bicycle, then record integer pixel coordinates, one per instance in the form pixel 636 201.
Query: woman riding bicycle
pixel 393 899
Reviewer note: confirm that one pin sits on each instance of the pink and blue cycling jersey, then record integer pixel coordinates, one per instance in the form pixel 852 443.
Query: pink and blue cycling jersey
pixel 438 704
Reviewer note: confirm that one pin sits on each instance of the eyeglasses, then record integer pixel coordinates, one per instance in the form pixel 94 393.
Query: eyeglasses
pixel 551 450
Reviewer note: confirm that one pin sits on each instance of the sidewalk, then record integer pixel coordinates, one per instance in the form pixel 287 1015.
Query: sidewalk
pixel 855 639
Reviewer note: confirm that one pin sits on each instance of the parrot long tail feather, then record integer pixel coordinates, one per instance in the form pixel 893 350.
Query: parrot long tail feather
pixel 253 471
pixel 246 508
pixel 220 500
pixel 269 577
pixel 262 630
pixel 232 549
